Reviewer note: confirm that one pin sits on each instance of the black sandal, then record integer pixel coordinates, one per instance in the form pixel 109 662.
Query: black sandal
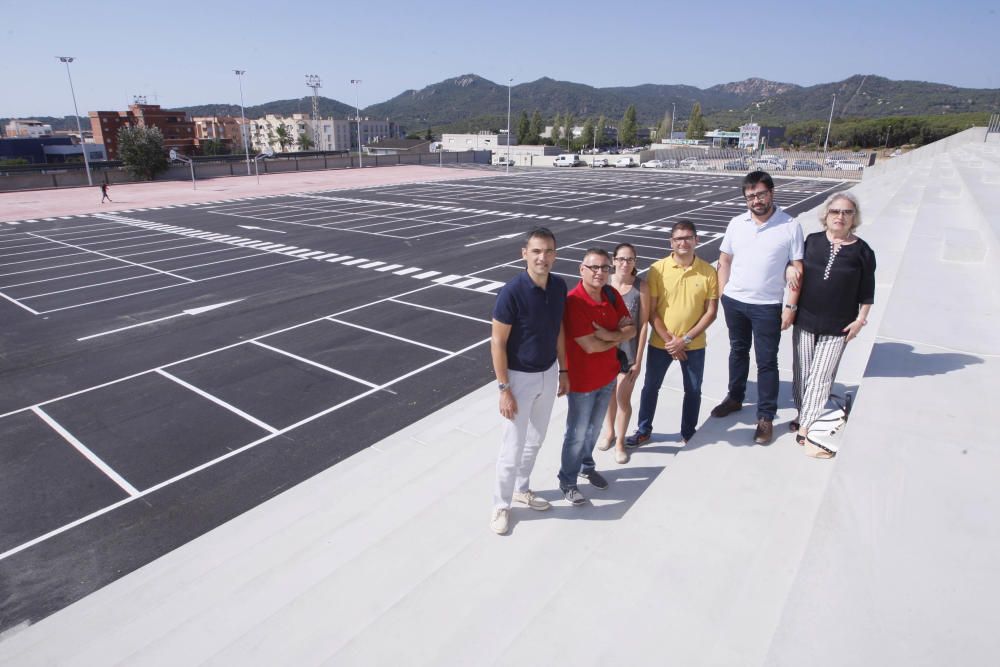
pixel 800 439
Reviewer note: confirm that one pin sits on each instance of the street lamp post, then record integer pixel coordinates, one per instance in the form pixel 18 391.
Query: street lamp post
pixel 826 142
pixel 673 112
pixel 76 114
pixel 507 168
pixel 887 134
pixel 357 107
pixel 243 126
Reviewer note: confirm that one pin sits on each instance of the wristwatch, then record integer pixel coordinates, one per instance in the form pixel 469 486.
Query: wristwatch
pixel 503 386
pixel 688 340
pixel 791 306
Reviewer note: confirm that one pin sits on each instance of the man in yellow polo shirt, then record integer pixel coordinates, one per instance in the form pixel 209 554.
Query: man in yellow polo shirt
pixel 684 300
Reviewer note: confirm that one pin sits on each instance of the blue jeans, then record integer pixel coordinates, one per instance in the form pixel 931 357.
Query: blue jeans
pixel 762 324
pixel 692 370
pixel 583 424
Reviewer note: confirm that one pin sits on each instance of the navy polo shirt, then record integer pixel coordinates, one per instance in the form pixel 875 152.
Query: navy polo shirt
pixel 535 316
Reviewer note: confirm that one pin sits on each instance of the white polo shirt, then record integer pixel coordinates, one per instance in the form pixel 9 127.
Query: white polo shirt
pixel 760 254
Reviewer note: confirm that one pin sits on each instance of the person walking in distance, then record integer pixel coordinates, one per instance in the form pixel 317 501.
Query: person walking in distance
pixel 595 322
pixel 755 250
pixel 104 192
pixel 529 360
pixel 684 301
pixel 635 291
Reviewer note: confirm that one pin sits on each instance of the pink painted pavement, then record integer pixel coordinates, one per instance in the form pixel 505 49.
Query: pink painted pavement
pixel 30 204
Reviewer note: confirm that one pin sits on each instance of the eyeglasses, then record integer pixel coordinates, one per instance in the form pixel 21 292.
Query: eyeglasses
pixel 598 268
pixel 763 194
pixel 627 260
pixel 683 239
pixel 846 212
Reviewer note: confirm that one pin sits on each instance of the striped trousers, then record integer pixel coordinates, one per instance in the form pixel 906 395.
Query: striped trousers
pixel 814 368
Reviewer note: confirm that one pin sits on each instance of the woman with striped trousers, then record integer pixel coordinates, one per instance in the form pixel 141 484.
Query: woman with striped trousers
pixel 836 293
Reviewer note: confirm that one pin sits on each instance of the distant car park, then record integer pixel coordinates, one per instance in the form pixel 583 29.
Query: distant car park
pixel 627 161
pixel 599 162
pixel 806 165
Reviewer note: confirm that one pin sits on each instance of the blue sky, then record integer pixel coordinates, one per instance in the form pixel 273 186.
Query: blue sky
pixel 178 54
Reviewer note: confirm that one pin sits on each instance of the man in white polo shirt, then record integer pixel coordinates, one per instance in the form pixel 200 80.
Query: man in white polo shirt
pixel 757 247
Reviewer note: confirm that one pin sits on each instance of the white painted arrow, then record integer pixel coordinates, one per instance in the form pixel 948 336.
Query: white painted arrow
pixel 263 229
pixel 505 236
pixel 631 208
pixel 189 311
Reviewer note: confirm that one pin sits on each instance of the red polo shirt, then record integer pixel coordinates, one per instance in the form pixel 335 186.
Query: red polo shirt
pixel 588 372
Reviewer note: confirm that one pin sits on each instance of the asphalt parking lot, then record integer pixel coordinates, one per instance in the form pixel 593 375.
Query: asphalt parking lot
pixel 168 368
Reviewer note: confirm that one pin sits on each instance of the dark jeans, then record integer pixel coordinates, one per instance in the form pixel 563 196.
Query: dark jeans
pixel 762 325
pixel 692 370
pixel 583 424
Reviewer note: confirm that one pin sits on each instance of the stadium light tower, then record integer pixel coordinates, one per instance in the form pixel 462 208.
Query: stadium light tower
pixel 357 107
pixel 312 80
pixel 76 114
pixel 244 130
pixel 828 124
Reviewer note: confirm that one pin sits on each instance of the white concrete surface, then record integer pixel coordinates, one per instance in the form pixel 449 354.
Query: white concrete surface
pixel 720 553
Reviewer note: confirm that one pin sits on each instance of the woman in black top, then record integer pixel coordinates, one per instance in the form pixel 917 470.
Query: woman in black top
pixel 836 292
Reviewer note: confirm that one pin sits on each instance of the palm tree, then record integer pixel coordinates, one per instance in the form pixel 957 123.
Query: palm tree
pixel 284 138
pixel 305 143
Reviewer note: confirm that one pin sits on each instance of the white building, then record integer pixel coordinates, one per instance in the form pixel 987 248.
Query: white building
pixel 28 128
pixel 480 141
pixel 328 134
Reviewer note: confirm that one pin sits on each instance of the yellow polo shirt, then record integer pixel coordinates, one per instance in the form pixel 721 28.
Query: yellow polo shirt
pixel 680 295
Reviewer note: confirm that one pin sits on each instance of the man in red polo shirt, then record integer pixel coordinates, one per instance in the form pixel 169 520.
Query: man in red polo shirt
pixel 594 322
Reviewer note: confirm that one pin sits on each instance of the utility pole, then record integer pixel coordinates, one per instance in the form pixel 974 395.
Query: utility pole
pixel 673 112
pixel 507 168
pixel 826 143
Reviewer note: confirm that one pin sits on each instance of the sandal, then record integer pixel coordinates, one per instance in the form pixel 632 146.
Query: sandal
pixel 820 452
pixel 793 426
pixel 800 439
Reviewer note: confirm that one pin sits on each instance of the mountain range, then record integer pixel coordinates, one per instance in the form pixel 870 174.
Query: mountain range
pixel 470 102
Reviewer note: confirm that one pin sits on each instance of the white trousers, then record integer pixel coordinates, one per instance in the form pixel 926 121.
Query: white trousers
pixel 522 436
pixel 814 368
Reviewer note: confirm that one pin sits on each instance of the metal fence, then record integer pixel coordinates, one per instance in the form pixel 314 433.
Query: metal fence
pixel 34 177
pixel 836 164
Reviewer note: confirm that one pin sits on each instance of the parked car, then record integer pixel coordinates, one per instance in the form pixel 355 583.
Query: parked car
pixel 504 161
pixel 848 165
pixel 599 162
pixel 771 165
pixel 652 164
pixel 567 161
pixel 669 163
pixel 688 163
pixel 627 161
pixel 806 165
pixel 703 165
pixel 737 165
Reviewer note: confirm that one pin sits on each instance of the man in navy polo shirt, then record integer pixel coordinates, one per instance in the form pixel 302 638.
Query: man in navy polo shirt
pixel 526 344
pixel 757 247
pixel 596 320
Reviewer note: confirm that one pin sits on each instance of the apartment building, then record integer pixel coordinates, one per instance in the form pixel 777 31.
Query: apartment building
pixel 25 127
pixel 224 129
pixel 284 133
pixel 177 128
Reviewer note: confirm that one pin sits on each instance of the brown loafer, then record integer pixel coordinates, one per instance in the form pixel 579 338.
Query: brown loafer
pixel 764 432
pixel 727 407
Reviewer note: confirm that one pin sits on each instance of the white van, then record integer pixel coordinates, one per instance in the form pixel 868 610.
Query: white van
pixel 567 161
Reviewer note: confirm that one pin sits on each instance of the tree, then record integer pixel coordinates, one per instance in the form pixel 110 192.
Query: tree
pixel 283 136
pixel 568 129
pixel 696 125
pixel 305 142
pixel 428 135
pixel 628 131
pixel 523 128
pixel 556 129
pixel 537 127
pixel 214 147
pixel 587 136
pixel 664 130
pixel 141 149
pixel 599 134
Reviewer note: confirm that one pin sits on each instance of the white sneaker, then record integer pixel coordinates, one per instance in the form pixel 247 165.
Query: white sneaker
pixel 531 500
pixel 500 522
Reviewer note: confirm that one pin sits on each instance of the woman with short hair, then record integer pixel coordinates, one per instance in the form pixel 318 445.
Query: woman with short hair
pixel 836 293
